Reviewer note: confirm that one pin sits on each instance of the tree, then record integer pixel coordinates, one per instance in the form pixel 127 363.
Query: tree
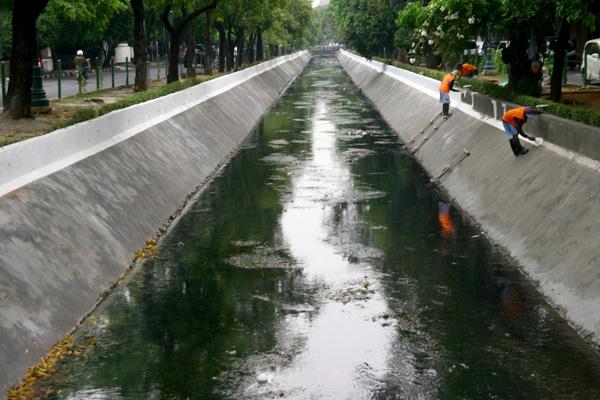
pixel 325 24
pixel 291 25
pixel 23 55
pixel 91 25
pixel 139 45
pixel 5 26
pixel 366 25
pixel 408 23
pixel 568 12
pixel 189 11
pixel 447 25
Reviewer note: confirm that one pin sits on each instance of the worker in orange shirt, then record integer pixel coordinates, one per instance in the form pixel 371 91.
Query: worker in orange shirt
pixel 513 121
pixel 446 86
pixel 468 70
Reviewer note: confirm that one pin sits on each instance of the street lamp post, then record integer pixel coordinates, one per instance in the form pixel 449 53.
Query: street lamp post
pixel 59 77
pixel 39 100
pixel 489 68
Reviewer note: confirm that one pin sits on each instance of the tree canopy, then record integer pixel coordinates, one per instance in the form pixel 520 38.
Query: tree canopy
pixel 440 30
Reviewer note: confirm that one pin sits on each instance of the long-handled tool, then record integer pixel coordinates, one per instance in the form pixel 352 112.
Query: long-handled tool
pixel 412 140
pixel 450 166
pixel 427 137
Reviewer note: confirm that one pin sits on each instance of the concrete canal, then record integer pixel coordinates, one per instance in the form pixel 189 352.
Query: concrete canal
pixel 320 263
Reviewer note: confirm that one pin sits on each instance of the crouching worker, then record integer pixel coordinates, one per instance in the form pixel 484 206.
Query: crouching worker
pixel 467 70
pixel 513 121
pixel 445 88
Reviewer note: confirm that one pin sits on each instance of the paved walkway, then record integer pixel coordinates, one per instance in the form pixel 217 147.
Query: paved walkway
pixel 70 85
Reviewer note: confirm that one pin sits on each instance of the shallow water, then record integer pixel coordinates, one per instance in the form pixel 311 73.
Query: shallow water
pixel 320 264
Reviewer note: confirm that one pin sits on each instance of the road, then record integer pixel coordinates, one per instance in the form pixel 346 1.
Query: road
pixel 70 85
pixel 574 77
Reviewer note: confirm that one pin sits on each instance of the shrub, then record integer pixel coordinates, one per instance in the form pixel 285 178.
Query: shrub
pixel 501 68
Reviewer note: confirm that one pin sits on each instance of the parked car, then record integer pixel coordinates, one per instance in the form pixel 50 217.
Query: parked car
pixel 591 63
pixel 472 48
pixel 502 45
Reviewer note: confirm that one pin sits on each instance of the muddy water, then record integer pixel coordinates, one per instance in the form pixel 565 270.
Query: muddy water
pixel 320 264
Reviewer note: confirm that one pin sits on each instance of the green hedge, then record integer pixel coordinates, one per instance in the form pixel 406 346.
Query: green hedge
pixel 586 114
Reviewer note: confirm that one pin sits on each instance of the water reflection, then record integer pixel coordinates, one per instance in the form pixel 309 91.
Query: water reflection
pixel 345 349
pixel 446 224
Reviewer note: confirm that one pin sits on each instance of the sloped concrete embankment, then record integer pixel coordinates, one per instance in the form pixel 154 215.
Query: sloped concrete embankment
pixel 76 204
pixel 543 208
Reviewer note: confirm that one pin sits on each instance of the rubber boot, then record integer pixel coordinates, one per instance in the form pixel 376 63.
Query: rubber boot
pixel 445 109
pixel 514 147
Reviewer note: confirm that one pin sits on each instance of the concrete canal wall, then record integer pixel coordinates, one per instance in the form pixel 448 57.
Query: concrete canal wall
pixel 77 203
pixel 543 208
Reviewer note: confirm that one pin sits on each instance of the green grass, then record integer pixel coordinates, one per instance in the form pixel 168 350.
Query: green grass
pixel 585 114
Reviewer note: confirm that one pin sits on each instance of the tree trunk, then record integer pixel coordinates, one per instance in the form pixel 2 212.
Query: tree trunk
pixel 240 49
pixel 208 56
pixel 190 51
pixel 250 52
pixel 521 77
pixel 259 45
pixel 230 48
pixel 139 45
pixel 222 46
pixel 23 55
pixel 173 73
pixel 175 33
pixel 560 52
pixel 429 57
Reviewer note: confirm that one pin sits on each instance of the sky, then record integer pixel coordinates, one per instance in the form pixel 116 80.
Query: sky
pixel 317 3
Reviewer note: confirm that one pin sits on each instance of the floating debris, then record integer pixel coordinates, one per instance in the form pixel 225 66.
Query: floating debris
pixel 262 257
pixel 353 155
pixel 278 158
pixel 358 132
pixel 264 378
pixel 147 251
pixel 45 368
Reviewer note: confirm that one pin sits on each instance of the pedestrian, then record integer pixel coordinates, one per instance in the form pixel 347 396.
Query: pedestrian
pixel 81 64
pixel 446 87
pixel 468 70
pixel 513 121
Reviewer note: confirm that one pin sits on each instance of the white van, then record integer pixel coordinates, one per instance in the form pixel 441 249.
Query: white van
pixel 591 53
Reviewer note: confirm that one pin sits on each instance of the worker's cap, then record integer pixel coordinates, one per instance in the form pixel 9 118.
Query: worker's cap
pixel 530 111
pixel 456 73
pixel 79 52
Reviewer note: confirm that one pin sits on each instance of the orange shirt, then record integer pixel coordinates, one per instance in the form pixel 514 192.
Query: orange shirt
pixel 446 82
pixel 516 113
pixel 467 69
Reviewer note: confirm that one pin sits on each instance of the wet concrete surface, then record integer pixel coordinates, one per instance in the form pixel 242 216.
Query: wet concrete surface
pixel 321 264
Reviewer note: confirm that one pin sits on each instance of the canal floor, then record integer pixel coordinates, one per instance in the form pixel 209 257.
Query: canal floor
pixel 319 263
